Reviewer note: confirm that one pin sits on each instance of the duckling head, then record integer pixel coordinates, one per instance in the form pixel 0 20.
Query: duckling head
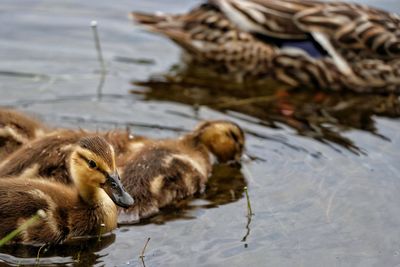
pixel 224 139
pixel 92 166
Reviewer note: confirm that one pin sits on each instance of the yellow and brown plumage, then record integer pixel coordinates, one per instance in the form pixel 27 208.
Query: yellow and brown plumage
pixel 154 172
pixel 159 172
pixel 48 156
pixel 327 45
pixel 17 129
pixel 88 208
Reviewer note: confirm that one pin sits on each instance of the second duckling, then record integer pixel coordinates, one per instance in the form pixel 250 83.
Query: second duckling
pixel 159 172
pixel 86 209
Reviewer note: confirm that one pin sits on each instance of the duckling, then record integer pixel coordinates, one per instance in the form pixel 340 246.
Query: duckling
pixel 16 129
pixel 86 209
pixel 124 143
pixel 155 172
pixel 159 172
pixel 47 156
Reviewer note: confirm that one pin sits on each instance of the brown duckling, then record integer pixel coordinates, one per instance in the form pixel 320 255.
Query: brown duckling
pixel 159 172
pixel 47 156
pixel 86 209
pixel 16 129
pixel 155 172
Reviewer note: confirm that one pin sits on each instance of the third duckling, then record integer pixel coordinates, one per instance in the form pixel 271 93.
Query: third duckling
pixel 17 129
pixel 159 172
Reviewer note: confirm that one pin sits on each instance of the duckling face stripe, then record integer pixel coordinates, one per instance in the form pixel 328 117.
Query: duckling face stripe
pixel 99 146
pixel 97 167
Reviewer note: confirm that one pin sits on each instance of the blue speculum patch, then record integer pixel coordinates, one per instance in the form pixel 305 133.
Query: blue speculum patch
pixel 310 46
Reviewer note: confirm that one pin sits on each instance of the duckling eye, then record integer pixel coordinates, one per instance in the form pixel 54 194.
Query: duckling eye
pixel 234 136
pixel 92 164
pixel 114 185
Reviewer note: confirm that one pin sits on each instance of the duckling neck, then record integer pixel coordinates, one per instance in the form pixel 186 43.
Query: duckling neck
pixel 97 198
pixel 87 193
pixel 195 140
pixel 106 209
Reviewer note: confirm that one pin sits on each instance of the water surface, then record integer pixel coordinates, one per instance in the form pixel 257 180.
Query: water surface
pixel 324 178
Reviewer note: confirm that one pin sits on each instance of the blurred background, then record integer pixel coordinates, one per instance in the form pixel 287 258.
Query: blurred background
pixel 323 174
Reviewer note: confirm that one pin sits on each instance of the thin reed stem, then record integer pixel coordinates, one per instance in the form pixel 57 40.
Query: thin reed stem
pixel 40 214
pixel 103 70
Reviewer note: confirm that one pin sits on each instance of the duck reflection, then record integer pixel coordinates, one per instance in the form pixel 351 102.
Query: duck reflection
pixel 225 186
pixel 323 116
pixel 82 251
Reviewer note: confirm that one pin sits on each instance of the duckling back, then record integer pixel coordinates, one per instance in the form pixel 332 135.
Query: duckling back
pixel 17 129
pixel 161 173
pixel 45 157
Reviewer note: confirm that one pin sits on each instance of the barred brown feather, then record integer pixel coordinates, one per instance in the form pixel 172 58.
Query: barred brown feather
pixel 224 35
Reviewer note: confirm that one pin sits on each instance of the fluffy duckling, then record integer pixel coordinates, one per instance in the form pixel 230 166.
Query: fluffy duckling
pixel 85 209
pixel 159 172
pixel 47 156
pixel 155 172
pixel 16 129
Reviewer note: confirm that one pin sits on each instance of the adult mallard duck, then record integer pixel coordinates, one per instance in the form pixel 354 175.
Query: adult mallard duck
pixel 326 45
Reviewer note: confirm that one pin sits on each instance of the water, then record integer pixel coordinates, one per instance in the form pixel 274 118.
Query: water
pixel 324 176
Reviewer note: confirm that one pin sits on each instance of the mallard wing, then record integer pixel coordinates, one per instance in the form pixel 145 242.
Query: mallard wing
pixel 345 25
pixel 355 27
pixel 273 18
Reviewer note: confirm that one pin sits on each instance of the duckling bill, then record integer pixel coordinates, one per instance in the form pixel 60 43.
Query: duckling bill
pixel 88 208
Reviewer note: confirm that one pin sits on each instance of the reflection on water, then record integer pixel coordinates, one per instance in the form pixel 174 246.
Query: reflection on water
pixel 79 252
pixel 323 116
pixel 224 186
pixel 313 206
